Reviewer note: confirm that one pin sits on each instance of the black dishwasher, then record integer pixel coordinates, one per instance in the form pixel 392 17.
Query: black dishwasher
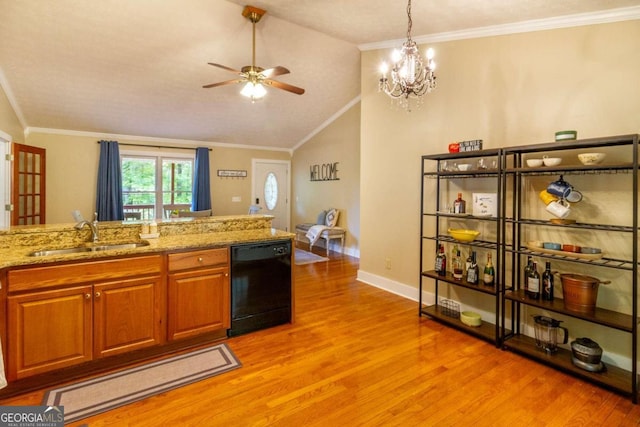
pixel 260 286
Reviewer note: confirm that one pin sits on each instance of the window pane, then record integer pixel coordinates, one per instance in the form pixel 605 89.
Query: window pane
pixel 138 174
pixel 177 181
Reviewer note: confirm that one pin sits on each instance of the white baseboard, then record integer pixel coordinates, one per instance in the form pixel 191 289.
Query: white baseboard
pixel 394 287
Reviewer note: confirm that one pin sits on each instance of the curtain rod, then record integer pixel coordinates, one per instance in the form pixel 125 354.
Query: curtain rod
pixel 157 146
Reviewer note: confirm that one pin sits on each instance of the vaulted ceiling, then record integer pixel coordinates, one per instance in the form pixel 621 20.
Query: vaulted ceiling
pixel 137 67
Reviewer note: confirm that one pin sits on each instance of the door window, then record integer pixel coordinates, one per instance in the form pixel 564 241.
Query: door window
pixel 271 191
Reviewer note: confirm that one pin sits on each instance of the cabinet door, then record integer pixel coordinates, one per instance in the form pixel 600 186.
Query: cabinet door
pixel 127 315
pixel 198 302
pixel 49 330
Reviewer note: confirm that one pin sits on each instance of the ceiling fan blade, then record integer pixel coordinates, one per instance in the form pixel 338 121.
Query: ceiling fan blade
pixel 284 86
pixel 224 67
pixel 227 82
pixel 275 71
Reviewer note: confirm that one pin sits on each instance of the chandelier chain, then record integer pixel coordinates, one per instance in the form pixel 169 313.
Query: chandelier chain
pixel 410 23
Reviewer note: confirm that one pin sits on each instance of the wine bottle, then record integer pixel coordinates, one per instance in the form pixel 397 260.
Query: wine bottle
pixel 441 262
pixel 489 272
pixel 473 272
pixel 457 267
pixel 527 269
pixel 533 282
pixel 459 205
pixel 547 283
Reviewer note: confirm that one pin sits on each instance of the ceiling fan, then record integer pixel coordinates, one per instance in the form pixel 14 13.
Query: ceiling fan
pixel 253 76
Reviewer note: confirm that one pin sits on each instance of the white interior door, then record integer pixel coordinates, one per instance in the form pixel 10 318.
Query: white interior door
pixel 271 190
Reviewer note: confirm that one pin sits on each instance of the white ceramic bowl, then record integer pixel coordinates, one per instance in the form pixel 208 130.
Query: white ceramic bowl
pixel 552 161
pixel 534 163
pixel 591 158
pixel 464 167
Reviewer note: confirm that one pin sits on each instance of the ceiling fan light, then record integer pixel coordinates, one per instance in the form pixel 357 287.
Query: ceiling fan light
pixel 253 91
pixel 259 91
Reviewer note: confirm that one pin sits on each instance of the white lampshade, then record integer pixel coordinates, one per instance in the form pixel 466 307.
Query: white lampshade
pixel 253 90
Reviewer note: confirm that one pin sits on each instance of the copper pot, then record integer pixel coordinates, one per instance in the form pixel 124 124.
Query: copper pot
pixel 580 292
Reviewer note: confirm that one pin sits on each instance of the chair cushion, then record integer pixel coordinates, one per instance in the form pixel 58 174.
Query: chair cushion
pixel 332 217
pixel 322 218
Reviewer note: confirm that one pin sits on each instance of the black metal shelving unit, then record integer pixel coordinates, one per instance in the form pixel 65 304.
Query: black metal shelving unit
pixel 516 225
pixel 434 174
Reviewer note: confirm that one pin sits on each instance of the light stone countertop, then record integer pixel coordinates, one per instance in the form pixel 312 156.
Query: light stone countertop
pixel 18 255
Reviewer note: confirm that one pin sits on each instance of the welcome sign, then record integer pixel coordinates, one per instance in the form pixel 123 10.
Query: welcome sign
pixel 324 172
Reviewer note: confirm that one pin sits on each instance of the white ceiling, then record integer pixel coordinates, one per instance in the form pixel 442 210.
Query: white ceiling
pixel 137 67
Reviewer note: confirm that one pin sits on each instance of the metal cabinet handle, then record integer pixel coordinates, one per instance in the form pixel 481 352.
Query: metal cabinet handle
pixel 200 259
pixel 87 296
pixel 98 294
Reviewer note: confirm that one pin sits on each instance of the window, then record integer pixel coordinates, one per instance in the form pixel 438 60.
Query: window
pixel 155 186
pixel 271 191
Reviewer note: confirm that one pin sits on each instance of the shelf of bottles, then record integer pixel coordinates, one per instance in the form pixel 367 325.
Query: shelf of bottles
pixel 443 174
pixel 530 286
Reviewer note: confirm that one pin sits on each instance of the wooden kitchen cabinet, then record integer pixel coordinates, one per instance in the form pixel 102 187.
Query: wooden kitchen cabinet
pixel 63 315
pixel 126 315
pixel 49 330
pixel 198 296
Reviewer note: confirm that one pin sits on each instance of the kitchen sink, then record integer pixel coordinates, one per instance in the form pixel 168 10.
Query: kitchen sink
pixel 93 248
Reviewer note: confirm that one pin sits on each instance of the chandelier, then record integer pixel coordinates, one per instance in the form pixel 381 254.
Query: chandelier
pixel 410 76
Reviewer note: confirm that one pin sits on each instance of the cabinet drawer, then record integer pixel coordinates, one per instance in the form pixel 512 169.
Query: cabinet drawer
pixel 194 259
pixel 82 272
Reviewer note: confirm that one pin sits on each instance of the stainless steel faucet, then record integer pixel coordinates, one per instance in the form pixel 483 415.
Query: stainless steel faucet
pixel 95 236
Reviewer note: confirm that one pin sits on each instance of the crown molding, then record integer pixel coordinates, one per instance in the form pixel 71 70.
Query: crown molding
pixel 566 21
pixel 327 122
pixel 4 84
pixel 155 140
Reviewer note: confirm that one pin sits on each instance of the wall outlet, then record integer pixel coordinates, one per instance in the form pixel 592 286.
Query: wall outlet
pixel 387 263
pixel 236 199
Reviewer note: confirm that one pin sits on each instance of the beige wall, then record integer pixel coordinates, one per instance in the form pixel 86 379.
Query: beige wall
pixel 9 122
pixel 508 90
pixel 338 142
pixel 72 169
pixel 223 189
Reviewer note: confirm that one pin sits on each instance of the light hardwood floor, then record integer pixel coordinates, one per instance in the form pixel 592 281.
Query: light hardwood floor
pixel 360 356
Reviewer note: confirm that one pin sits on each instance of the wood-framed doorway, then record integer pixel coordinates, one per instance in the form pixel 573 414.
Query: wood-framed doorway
pixel 28 186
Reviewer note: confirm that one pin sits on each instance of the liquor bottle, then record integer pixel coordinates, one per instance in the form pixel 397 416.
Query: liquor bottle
pixel 441 262
pixel 457 267
pixel 533 283
pixel 459 205
pixel 468 262
pixel 489 272
pixel 547 283
pixel 473 272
